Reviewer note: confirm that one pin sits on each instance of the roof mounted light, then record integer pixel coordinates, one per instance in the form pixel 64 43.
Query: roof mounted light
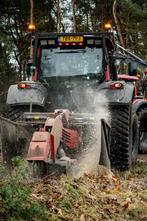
pixel 31 27
pixel 107 26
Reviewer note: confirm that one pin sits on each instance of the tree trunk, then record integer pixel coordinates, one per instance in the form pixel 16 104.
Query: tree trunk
pixel 58 16
pixel 127 30
pixel 74 15
pixel 117 24
pixel 31 11
pixel 31 22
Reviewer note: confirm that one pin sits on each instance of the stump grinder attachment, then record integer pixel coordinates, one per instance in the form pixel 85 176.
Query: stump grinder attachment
pixel 59 139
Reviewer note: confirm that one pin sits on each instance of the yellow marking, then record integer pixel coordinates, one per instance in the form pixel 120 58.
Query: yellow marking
pixel 36 117
pixel 71 38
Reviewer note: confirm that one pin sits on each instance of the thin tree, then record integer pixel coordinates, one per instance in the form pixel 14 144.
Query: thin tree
pixel 32 23
pixel 74 15
pixel 31 11
pixel 58 16
pixel 117 24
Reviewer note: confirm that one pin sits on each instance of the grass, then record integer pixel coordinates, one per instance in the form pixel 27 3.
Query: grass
pixel 143 195
pixel 141 169
pixel 16 197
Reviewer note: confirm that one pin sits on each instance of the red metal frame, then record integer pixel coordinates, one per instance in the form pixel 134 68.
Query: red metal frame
pixel 39 148
pixel 70 138
pixel 52 144
pixel 45 142
pixel 35 76
pixel 107 76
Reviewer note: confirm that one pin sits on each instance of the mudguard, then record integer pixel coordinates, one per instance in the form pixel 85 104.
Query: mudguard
pixel 122 95
pixel 138 103
pixel 36 94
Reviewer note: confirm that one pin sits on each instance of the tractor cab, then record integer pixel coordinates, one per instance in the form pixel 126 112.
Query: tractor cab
pixel 68 64
pixel 71 62
pixel 72 55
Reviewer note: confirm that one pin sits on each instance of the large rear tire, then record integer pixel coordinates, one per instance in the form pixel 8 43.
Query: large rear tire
pixel 142 117
pixel 124 138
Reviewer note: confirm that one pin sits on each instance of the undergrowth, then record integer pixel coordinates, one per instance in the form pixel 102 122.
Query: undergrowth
pixel 91 197
pixel 16 194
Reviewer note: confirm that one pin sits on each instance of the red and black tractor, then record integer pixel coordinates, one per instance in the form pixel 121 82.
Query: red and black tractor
pixel 81 94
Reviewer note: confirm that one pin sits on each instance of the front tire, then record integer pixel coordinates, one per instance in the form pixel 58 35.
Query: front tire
pixel 15 113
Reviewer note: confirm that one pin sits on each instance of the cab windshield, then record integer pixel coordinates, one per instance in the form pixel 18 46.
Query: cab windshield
pixel 70 62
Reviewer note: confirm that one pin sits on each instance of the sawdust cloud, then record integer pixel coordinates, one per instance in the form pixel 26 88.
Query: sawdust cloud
pixel 97 104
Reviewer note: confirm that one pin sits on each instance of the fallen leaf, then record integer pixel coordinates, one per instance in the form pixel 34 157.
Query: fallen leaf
pixel 82 217
pixel 36 196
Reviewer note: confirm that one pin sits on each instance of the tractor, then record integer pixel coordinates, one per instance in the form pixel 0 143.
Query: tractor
pixel 82 94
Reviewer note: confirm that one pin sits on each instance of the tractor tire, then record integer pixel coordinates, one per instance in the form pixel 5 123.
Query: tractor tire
pixel 142 117
pixel 15 113
pixel 124 138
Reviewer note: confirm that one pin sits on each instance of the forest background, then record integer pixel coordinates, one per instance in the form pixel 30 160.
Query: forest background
pixel 127 17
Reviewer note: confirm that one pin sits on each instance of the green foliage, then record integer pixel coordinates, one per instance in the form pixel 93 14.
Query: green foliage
pixel 132 17
pixel 15 196
pixel 7 71
pixel 73 194
pixel 17 161
pixel 143 195
pixel 141 169
pixel 92 14
pixel 136 213
pixel 66 204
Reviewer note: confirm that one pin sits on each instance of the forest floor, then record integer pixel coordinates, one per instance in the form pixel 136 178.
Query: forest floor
pixel 98 197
